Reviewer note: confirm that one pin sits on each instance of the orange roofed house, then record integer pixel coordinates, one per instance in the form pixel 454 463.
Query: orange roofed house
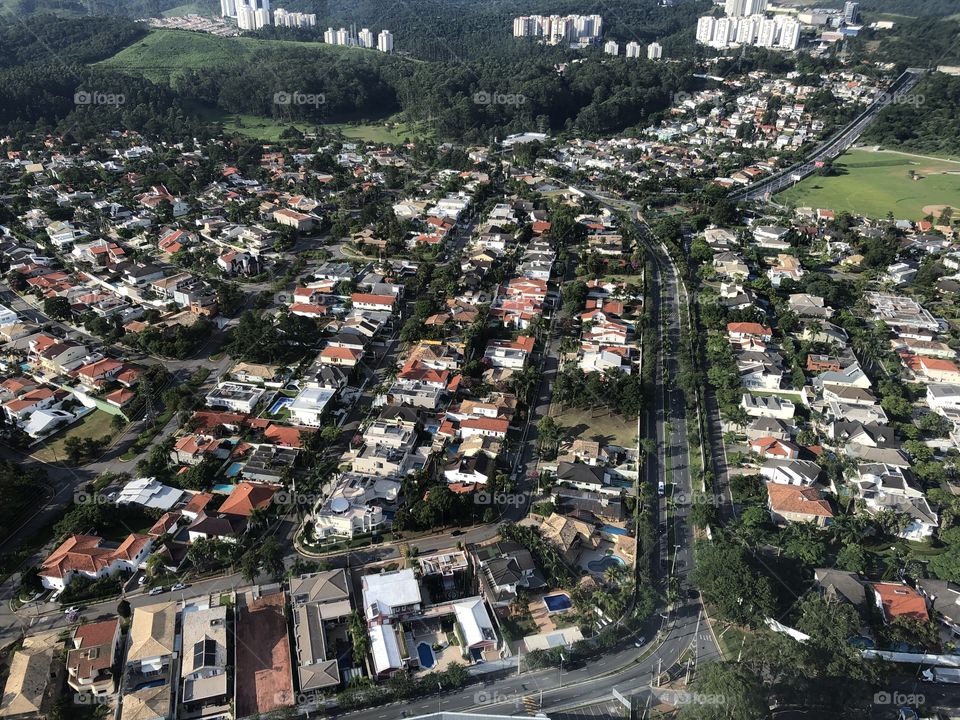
pixel 790 503
pixel 90 657
pixel 93 557
pixel 896 600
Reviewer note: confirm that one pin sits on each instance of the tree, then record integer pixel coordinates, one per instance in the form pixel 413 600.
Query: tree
pixel 852 558
pixel 946 566
pixel 728 581
pixel 725 690
pixel 123 609
pixel 57 307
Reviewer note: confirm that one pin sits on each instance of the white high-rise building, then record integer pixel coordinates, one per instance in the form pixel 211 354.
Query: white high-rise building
pixel 851 13
pixel 611 48
pixel 246 18
pixel 789 35
pixel 343 37
pixel 735 8
pixel 385 41
pixel 748 29
pixel 724 32
pixel 654 51
pixel 556 29
pixel 228 8
pixel 767 34
pixel 706 28
pixel 755 7
pixel 366 38
pixel 633 50
pixel 261 18
pixel 330 36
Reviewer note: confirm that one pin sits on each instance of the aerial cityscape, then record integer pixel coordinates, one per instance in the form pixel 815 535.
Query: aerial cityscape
pixel 451 360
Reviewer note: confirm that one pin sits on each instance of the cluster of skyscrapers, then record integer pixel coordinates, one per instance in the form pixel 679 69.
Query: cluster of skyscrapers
pixel 557 29
pixel 780 32
pixel 255 14
pixel 363 39
pixel 653 51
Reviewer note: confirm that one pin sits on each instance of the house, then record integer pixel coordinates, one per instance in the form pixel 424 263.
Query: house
pixel 770 406
pixel 370 301
pixel 33 679
pixel 898 600
pixel 317 599
pixel 204 672
pixel 943 598
pixel 149 685
pixel 748 330
pixel 839 586
pixel 340 356
pixel 473 470
pixel 92 557
pixel 944 398
pixel 791 472
pixel 247 497
pixel 569 536
pixel 771 447
pixel 583 476
pixel 505 568
pixel 390 596
pixel 789 503
pixel 487 427
pixel 309 406
pixel 804 305
pixel 931 369
pixel 91 654
pixel 511 354
pixel 475 625
pixel 291 218
pixel 149 493
pixel 234 396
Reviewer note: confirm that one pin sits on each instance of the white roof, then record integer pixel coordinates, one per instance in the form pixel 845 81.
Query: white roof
pixel 312 399
pixel 149 493
pixel 384 648
pixel 389 590
pixel 474 621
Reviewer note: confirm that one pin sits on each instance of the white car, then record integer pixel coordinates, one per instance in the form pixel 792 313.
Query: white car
pixel 179 586
pixel 71 610
pixel 155 591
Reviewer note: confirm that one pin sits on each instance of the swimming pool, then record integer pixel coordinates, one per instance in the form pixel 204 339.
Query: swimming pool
pixel 600 566
pixel 279 404
pixel 425 653
pixel 234 469
pixel 558 602
pixel 223 488
pixel 612 530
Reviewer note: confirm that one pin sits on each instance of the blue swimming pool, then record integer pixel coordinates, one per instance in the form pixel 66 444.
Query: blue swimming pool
pixel 612 530
pixel 234 469
pixel 558 602
pixel 601 565
pixel 279 404
pixel 223 488
pixel 425 653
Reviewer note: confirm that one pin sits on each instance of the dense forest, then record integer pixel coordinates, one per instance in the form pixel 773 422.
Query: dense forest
pixel 928 126
pixel 65 41
pixel 596 96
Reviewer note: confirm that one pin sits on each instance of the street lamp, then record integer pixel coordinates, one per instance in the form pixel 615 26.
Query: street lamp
pixel 560 678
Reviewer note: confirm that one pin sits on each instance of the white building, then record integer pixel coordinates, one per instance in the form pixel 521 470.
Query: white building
pixel 366 39
pixel 238 397
pixel 385 41
pixel 149 493
pixel 654 51
pixel 633 49
pixel 7 316
pixel 309 406
pixel 390 595
pixel 706 28
pixel 228 8
pixel 611 47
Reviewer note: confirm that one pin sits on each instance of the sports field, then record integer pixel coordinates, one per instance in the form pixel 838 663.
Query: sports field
pixel 874 183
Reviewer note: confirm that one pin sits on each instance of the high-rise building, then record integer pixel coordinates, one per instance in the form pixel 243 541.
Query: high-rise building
pixel 330 36
pixel 735 8
pixel 724 32
pixel 611 48
pixel 556 29
pixel 789 35
pixel 633 49
pixel 767 33
pixel 343 37
pixel 851 13
pixel 228 8
pixel 366 38
pixel 748 29
pixel 385 41
pixel 706 27
pixel 654 51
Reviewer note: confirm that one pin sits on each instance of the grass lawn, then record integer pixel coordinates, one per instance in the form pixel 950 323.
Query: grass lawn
pixel 876 183
pixel 93 425
pixel 600 424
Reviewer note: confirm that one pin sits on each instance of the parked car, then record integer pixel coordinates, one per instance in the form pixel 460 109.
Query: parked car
pixel 179 586
pixel 71 610
pixel 155 591
pixel 640 642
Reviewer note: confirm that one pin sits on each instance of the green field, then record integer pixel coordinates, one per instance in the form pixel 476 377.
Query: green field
pixel 875 183
pixel 601 425
pixel 270 129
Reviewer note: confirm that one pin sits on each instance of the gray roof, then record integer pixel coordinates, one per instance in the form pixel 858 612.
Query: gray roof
pixel 841 586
